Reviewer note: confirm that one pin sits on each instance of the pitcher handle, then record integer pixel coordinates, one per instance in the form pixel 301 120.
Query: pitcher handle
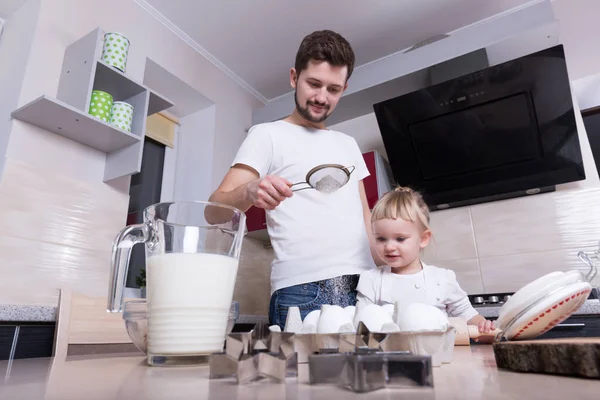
pixel 121 252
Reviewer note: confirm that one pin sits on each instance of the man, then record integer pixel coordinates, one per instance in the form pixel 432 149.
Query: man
pixel 320 240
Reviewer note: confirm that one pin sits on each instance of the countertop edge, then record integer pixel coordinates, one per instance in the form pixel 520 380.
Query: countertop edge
pixel 37 313
pixel 27 313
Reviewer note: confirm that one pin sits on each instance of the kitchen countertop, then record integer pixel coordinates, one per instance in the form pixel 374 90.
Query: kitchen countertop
pixel 471 375
pixel 33 313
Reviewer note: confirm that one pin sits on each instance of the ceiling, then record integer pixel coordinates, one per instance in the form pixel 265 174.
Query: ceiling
pixel 7 7
pixel 256 41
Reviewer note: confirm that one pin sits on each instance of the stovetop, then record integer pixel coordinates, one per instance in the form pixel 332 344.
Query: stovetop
pixel 498 299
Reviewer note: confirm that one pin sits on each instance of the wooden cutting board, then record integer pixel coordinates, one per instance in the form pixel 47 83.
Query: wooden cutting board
pixel 567 356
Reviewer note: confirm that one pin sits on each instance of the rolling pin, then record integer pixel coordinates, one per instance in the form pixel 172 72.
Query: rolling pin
pixel 464 332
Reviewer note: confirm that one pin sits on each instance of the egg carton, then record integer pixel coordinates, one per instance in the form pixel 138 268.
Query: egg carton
pixel 363 361
pixel 433 336
pixel 335 319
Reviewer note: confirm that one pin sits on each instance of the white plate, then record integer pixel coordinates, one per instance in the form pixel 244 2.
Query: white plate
pixel 533 292
pixel 550 311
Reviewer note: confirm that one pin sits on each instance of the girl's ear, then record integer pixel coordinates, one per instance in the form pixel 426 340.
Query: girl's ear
pixel 425 239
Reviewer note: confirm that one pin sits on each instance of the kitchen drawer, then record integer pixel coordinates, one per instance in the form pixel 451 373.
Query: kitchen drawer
pixel 35 341
pixel 7 333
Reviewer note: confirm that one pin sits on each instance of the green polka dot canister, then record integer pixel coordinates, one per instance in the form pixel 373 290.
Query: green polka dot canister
pixel 115 50
pixel 100 105
pixel 121 115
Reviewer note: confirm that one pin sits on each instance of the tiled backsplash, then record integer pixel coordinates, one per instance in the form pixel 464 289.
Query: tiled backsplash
pixel 253 284
pixel 55 232
pixel 501 246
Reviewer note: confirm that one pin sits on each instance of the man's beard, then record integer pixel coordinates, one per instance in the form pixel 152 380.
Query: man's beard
pixel 303 111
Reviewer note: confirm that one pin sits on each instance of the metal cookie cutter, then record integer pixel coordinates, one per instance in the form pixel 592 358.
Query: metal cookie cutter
pixel 253 355
pixel 367 367
pixel 361 362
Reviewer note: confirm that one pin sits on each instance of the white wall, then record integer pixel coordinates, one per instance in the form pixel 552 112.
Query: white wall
pixel 52 188
pixel 579 33
pixel 579 30
pixel 193 180
pixel 15 46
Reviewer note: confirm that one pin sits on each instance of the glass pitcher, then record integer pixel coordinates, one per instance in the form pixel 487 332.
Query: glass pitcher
pixel 192 254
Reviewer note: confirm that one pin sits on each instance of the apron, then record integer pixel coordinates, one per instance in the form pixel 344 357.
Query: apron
pixel 428 293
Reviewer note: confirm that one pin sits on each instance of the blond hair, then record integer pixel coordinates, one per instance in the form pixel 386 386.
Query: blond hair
pixel 402 202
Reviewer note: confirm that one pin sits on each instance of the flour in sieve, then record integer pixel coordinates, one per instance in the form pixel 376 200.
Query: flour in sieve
pixel 328 184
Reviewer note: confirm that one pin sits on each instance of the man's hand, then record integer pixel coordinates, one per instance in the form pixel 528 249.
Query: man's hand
pixel 268 192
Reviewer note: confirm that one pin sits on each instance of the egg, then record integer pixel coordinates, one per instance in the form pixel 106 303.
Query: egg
pixel 389 308
pixel 332 319
pixel 350 310
pixel 418 317
pixel 312 318
pixel 389 328
pixel 309 325
pixel 373 316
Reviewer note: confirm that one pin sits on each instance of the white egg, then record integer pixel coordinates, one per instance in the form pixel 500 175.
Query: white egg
pixel 389 308
pixel 332 318
pixel 422 317
pixel 390 327
pixel 312 318
pixel 373 316
pixel 350 310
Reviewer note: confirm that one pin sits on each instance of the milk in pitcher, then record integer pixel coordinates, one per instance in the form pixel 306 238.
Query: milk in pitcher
pixel 189 297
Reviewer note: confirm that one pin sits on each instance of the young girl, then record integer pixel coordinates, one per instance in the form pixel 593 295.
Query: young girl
pixel 400 222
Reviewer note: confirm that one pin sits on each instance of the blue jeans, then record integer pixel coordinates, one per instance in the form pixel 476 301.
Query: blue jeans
pixel 311 296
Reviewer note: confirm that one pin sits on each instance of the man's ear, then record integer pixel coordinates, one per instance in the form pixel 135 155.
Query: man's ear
pixel 293 78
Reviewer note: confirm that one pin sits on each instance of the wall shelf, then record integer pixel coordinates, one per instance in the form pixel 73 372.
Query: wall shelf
pixel 113 81
pixel 64 120
pixel 67 115
pixel 158 103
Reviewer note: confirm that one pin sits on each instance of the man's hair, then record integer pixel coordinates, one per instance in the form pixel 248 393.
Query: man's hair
pixel 327 46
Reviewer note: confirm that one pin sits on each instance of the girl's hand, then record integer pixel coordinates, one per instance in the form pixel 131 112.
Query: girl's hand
pixel 486 326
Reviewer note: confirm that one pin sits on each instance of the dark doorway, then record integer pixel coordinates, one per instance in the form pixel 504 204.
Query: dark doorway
pixel 144 191
pixel 591 120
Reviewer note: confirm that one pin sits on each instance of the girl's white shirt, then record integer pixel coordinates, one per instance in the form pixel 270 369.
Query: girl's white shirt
pixel 432 285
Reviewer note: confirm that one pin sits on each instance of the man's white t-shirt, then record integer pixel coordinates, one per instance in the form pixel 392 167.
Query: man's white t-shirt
pixel 314 235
